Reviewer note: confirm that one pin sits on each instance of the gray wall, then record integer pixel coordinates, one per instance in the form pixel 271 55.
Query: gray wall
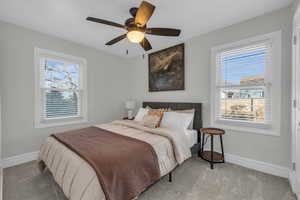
pixel 107 86
pixel 264 148
pixel 295 5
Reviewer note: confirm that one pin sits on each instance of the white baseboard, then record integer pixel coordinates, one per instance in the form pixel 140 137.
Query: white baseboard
pixel 293 181
pixel 20 159
pixel 245 162
pixel 258 165
pixel 1 183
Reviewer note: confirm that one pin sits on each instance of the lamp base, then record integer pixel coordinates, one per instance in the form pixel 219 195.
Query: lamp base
pixel 130 114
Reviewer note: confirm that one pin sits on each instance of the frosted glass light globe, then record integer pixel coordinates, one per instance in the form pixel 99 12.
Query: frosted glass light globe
pixel 135 36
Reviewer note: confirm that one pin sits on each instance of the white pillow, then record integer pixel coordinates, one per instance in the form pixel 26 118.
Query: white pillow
pixel 174 120
pixel 141 113
pixel 190 111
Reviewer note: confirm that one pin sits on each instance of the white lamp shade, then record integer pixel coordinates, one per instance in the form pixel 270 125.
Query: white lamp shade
pixel 130 105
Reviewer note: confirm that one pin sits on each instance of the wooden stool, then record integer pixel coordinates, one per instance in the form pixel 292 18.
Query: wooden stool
pixel 212 156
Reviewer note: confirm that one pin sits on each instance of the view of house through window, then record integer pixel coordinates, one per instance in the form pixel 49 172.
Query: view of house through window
pixel 242 86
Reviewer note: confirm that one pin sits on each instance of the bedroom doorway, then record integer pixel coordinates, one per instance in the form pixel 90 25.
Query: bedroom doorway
pixel 1 169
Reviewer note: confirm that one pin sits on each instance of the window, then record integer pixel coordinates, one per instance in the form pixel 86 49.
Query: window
pixel 246 84
pixel 242 84
pixel 60 89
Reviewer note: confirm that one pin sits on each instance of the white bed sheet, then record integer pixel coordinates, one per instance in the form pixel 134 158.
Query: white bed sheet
pixel 192 136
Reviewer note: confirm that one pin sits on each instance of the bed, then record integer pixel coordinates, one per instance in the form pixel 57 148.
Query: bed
pixel 78 179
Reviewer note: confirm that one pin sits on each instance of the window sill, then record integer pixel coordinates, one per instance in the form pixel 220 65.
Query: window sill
pixel 242 123
pixel 61 123
pixel 260 129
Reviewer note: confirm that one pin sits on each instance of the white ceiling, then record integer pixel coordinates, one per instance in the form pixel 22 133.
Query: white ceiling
pixel 66 18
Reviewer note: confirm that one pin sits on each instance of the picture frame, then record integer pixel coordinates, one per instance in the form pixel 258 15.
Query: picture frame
pixel 166 69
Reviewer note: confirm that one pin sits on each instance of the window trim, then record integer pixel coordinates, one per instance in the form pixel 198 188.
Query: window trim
pixel 83 118
pixel 272 128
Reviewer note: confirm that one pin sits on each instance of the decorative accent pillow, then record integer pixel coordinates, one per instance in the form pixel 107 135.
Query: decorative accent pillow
pixel 151 121
pixel 157 112
pixel 164 109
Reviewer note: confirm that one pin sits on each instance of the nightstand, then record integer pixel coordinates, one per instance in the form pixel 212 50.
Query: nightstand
pixel 126 118
pixel 211 156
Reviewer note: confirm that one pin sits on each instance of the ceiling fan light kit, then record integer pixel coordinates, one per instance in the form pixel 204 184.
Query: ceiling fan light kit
pixel 135 36
pixel 137 26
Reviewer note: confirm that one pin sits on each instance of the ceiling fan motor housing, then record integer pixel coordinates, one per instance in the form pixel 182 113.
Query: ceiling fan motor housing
pixel 133 11
pixel 129 22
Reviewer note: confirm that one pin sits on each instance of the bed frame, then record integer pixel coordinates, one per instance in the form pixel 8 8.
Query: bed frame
pixel 183 106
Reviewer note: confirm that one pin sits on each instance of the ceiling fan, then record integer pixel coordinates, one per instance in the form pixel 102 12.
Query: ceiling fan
pixel 137 26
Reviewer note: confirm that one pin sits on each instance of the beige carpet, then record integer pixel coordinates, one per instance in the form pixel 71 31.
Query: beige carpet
pixel 192 181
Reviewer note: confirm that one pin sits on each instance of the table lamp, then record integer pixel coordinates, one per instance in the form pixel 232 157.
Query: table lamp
pixel 130 105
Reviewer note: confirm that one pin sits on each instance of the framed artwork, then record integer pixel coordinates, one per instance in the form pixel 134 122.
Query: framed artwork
pixel 166 69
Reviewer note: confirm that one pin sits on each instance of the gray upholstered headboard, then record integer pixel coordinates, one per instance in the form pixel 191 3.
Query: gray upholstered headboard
pixel 180 106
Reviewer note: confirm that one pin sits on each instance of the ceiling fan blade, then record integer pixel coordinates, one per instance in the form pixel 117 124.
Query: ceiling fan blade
pixel 102 21
pixel 144 13
pixel 163 31
pixel 115 40
pixel 146 44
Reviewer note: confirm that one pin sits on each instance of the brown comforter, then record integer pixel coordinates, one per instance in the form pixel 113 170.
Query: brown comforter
pixel 125 166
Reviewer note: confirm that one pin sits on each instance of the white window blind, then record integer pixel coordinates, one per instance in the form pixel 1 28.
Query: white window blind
pixel 61 89
pixel 243 84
